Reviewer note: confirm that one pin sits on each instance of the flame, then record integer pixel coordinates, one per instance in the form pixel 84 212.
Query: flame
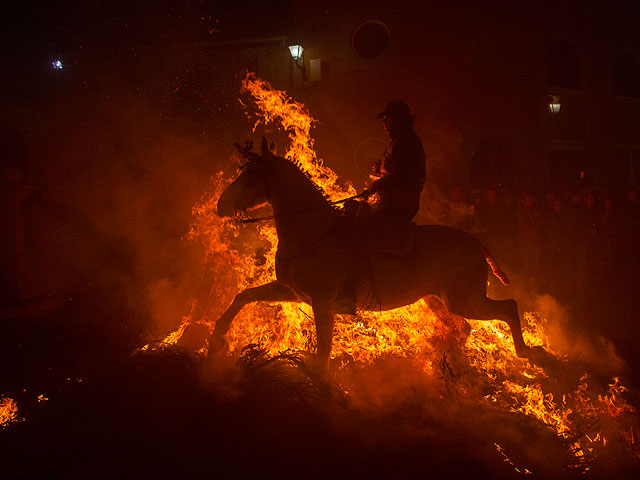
pixel 276 107
pixel 243 256
pixel 508 460
pixel 8 411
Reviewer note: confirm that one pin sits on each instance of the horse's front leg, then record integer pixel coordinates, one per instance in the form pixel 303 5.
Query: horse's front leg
pixel 323 318
pixel 269 292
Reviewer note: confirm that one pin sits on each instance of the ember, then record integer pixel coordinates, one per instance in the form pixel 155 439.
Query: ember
pixel 8 411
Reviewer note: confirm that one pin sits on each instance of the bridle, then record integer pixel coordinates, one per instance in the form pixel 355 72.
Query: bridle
pixel 246 151
pixel 297 212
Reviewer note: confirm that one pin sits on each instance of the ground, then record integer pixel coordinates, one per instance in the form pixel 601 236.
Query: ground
pixel 108 410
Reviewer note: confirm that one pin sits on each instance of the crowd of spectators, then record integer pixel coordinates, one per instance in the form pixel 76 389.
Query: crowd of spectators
pixel 573 245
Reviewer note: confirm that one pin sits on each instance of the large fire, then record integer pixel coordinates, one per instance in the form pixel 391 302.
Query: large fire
pixel 476 357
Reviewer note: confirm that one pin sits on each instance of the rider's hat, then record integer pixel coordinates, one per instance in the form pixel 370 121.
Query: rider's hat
pixel 396 107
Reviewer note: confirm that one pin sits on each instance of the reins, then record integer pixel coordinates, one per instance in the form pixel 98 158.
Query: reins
pixel 272 217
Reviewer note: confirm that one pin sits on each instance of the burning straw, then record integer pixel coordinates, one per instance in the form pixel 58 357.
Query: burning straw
pixel 8 411
pixel 482 365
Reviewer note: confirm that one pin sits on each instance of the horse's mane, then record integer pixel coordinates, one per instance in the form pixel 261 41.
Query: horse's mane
pixel 247 152
pixel 301 169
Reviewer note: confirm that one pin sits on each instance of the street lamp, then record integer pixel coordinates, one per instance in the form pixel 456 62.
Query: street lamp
pixel 296 51
pixel 554 104
pixel 296 54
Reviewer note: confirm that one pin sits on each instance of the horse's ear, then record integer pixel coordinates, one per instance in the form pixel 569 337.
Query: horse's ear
pixel 273 147
pixel 264 147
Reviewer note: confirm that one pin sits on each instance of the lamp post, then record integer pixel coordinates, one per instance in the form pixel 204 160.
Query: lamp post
pixel 297 53
pixel 554 104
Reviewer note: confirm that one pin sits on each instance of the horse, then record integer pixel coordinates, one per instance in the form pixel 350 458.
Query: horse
pixel 313 259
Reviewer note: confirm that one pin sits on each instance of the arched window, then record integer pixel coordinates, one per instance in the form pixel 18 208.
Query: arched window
pixel 626 74
pixel 564 69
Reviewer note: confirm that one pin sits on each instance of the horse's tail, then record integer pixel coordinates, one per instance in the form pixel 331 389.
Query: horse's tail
pixel 495 268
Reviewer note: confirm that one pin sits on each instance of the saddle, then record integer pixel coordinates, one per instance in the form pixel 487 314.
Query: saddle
pixel 393 239
pixel 375 234
pixel 390 238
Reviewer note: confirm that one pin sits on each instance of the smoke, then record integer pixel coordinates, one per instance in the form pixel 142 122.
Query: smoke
pixel 581 335
pixel 387 418
pixel 116 182
pixel 594 352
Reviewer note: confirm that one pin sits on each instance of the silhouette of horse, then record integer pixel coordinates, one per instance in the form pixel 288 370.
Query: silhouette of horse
pixel 313 259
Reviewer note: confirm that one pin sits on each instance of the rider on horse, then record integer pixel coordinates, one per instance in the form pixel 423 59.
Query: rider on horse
pixel 400 175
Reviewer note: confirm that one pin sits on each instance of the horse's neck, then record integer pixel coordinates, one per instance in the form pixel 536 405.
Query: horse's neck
pixel 302 213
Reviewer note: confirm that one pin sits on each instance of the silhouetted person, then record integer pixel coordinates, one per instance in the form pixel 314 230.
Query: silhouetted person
pixel 401 171
pixel 399 180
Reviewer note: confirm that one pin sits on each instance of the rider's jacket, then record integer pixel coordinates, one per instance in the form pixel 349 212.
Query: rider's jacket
pixel 403 172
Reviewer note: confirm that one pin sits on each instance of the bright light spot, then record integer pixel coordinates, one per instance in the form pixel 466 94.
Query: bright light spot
pixel 554 104
pixel 296 51
pixel 57 64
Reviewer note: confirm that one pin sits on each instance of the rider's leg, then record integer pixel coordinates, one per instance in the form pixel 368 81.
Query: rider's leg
pixel 369 232
pixel 360 245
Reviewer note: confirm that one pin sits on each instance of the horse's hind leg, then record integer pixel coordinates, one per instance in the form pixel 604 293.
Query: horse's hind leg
pixel 269 292
pixel 480 307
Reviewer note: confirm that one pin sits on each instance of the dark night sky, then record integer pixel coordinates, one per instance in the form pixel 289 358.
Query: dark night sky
pixel 34 34
pixel 46 28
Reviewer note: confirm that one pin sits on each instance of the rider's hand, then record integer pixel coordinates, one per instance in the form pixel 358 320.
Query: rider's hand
pixel 351 207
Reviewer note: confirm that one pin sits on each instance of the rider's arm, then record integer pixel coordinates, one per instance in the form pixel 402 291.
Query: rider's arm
pixel 405 167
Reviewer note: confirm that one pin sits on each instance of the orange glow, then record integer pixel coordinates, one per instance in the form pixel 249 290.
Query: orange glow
pixel 8 411
pixel 481 351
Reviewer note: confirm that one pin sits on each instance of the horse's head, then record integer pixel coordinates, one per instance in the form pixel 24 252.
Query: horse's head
pixel 250 189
